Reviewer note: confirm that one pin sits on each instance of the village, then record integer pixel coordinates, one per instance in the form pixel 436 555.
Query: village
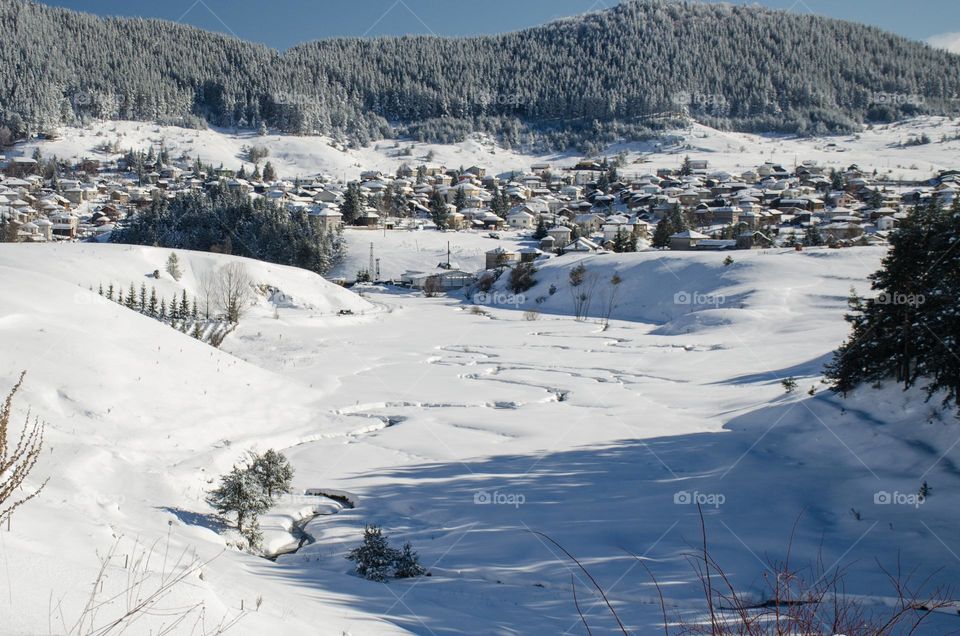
pixel 598 205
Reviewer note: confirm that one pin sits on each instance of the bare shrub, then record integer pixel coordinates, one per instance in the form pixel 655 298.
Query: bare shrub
pixel 531 315
pixel 233 290
pixel 433 286
pixel 17 461
pixel 142 594
pixel 611 298
pixel 582 286
pixel 807 600
pixel 522 278
pixel 486 281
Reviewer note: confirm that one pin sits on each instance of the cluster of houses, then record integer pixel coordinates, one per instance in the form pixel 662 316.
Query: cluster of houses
pixel 576 210
pixel 95 197
pixel 587 207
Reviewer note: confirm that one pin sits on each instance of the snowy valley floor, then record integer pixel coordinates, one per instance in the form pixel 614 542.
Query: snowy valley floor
pixel 464 432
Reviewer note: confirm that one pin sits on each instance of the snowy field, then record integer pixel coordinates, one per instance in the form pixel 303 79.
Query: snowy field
pixel 464 432
pixel 876 148
pixel 422 250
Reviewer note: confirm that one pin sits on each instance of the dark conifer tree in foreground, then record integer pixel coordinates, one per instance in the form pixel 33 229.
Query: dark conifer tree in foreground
pixel 911 330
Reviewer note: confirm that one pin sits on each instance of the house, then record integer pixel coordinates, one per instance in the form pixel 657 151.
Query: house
pixel 589 222
pixel 499 257
pixel 326 218
pixel 841 231
pixel 687 240
pixel 582 245
pixel 521 220
pixel 447 279
pixel 561 234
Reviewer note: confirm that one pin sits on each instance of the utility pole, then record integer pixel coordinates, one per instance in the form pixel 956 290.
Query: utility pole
pixel 370 266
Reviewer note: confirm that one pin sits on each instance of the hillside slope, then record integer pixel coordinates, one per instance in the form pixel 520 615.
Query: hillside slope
pixel 463 432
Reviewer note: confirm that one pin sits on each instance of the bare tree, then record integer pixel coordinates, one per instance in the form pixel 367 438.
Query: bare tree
pixel 233 290
pixel 582 286
pixel 207 291
pixel 17 461
pixel 611 298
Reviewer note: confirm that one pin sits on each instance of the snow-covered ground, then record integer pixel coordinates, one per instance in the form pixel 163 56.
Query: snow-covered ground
pixel 463 432
pixel 421 250
pixel 879 147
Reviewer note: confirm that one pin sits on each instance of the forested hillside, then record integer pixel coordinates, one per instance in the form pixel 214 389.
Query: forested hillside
pixel 620 72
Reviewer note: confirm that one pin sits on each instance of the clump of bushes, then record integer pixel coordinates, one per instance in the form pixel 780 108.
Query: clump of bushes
pixel 247 491
pixel 377 561
pixel 522 278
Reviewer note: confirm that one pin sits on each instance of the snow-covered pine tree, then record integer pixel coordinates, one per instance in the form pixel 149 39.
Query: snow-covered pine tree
pixel 911 328
pixel 131 297
pixel 240 494
pixel 152 303
pixel 273 471
pixel 173 266
pixel 407 564
pixel 374 557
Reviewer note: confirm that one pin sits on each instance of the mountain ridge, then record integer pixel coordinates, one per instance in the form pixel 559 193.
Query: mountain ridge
pixel 623 72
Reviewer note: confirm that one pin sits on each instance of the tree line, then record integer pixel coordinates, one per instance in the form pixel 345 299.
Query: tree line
pixel 230 222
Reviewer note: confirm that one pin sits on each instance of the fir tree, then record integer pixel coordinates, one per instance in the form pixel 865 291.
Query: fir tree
pixel 269 174
pixel 407 564
pixel 352 206
pixel 460 199
pixel 273 471
pixel 438 210
pixel 131 297
pixel 374 558
pixel 240 494
pixel 663 232
pixel 152 304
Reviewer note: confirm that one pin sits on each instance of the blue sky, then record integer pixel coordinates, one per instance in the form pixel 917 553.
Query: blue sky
pixel 284 23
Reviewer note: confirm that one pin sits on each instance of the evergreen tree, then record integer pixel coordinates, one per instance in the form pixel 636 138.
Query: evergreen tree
pixel 407 564
pixel 173 266
pixel 269 174
pixel 460 199
pixel 240 494
pixel 438 210
pixel 662 233
pixel 152 304
pixel 352 206
pixel 375 558
pixel 131 298
pixel 910 330
pixel 541 231
pixel 273 471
